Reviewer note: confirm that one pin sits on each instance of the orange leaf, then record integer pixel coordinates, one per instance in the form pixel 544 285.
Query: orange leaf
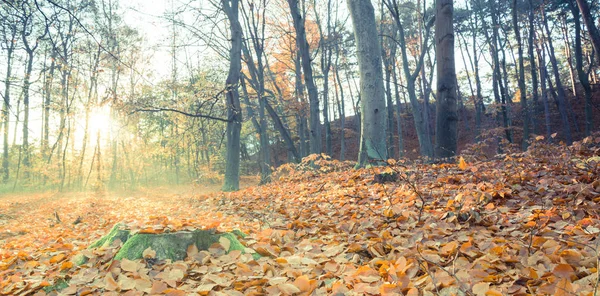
pixel 449 248
pixel 462 164
pixel 389 289
pixel 564 271
pixel 66 265
pixel 110 283
pixel 493 293
pixel 481 288
pixel 57 258
pixel 303 283
pixel 174 292
pixel 564 288
pixel 158 287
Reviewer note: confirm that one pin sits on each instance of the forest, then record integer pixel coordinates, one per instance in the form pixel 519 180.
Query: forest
pixel 299 147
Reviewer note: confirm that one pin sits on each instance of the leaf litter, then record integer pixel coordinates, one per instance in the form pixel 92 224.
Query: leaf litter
pixel 518 224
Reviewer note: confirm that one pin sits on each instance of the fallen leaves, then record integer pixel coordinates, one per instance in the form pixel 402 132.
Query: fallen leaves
pixel 519 224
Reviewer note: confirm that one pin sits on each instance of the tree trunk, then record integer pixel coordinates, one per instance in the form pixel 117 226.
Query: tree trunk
pixel 421 123
pixel 446 134
pixel 398 110
pixel 569 55
pixel 234 110
pixel 543 73
pixel 521 80
pixel 562 107
pixel 582 75
pixel 533 67
pixel 371 81
pixel 313 96
pixel 593 31
pixel 6 104
pixel 341 106
pixel 300 119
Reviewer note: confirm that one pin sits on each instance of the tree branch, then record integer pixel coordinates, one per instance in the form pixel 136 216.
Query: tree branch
pixel 154 110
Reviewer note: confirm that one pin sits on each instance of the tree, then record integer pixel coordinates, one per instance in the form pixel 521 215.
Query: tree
pixel 9 42
pixel 588 20
pixel 581 73
pixel 28 19
pixel 234 109
pixel 521 79
pixel 421 121
pixel 373 112
pixel 313 97
pixel 446 112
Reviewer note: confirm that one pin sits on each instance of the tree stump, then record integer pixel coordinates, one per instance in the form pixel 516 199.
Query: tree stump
pixel 168 245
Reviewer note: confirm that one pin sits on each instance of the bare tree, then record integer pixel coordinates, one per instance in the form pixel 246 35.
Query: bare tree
pixel 446 113
pixel 234 109
pixel 313 97
pixel 373 112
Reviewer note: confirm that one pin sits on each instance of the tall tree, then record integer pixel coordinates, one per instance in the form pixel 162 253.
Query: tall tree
pixel 560 99
pixel 234 109
pixel 446 112
pixel 588 20
pixel 9 38
pixel 255 22
pixel 421 121
pixel 313 96
pixel 522 88
pixel 373 111
pixel 581 73
pixel 326 60
pixel 28 19
pixel 533 66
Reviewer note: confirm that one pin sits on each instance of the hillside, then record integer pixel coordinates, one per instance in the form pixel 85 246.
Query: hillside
pixel 466 127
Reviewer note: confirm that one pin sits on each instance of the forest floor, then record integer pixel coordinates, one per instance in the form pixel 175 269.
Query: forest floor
pixel 517 224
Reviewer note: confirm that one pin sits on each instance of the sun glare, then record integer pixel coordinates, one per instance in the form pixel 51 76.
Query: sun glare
pixel 99 123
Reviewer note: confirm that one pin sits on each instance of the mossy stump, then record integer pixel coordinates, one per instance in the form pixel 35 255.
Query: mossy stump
pixel 168 245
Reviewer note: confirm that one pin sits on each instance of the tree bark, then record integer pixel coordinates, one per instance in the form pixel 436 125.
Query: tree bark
pixel 12 34
pixel 521 80
pixel 582 75
pixel 234 110
pixel 593 31
pixel 373 126
pixel 533 66
pixel 446 112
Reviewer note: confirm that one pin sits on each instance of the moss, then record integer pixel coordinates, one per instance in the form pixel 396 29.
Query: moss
pixel 239 233
pixel 173 245
pixel 59 285
pixel 116 233
pixel 167 245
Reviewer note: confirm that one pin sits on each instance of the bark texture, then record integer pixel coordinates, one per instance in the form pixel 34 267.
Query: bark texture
pixel 234 110
pixel 373 125
pixel 446 114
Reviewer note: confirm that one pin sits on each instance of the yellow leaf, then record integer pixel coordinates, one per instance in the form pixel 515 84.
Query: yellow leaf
pixel 128 265
pixel 226 243
pixel 57 258
pixel 462 164
pixel 149 253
